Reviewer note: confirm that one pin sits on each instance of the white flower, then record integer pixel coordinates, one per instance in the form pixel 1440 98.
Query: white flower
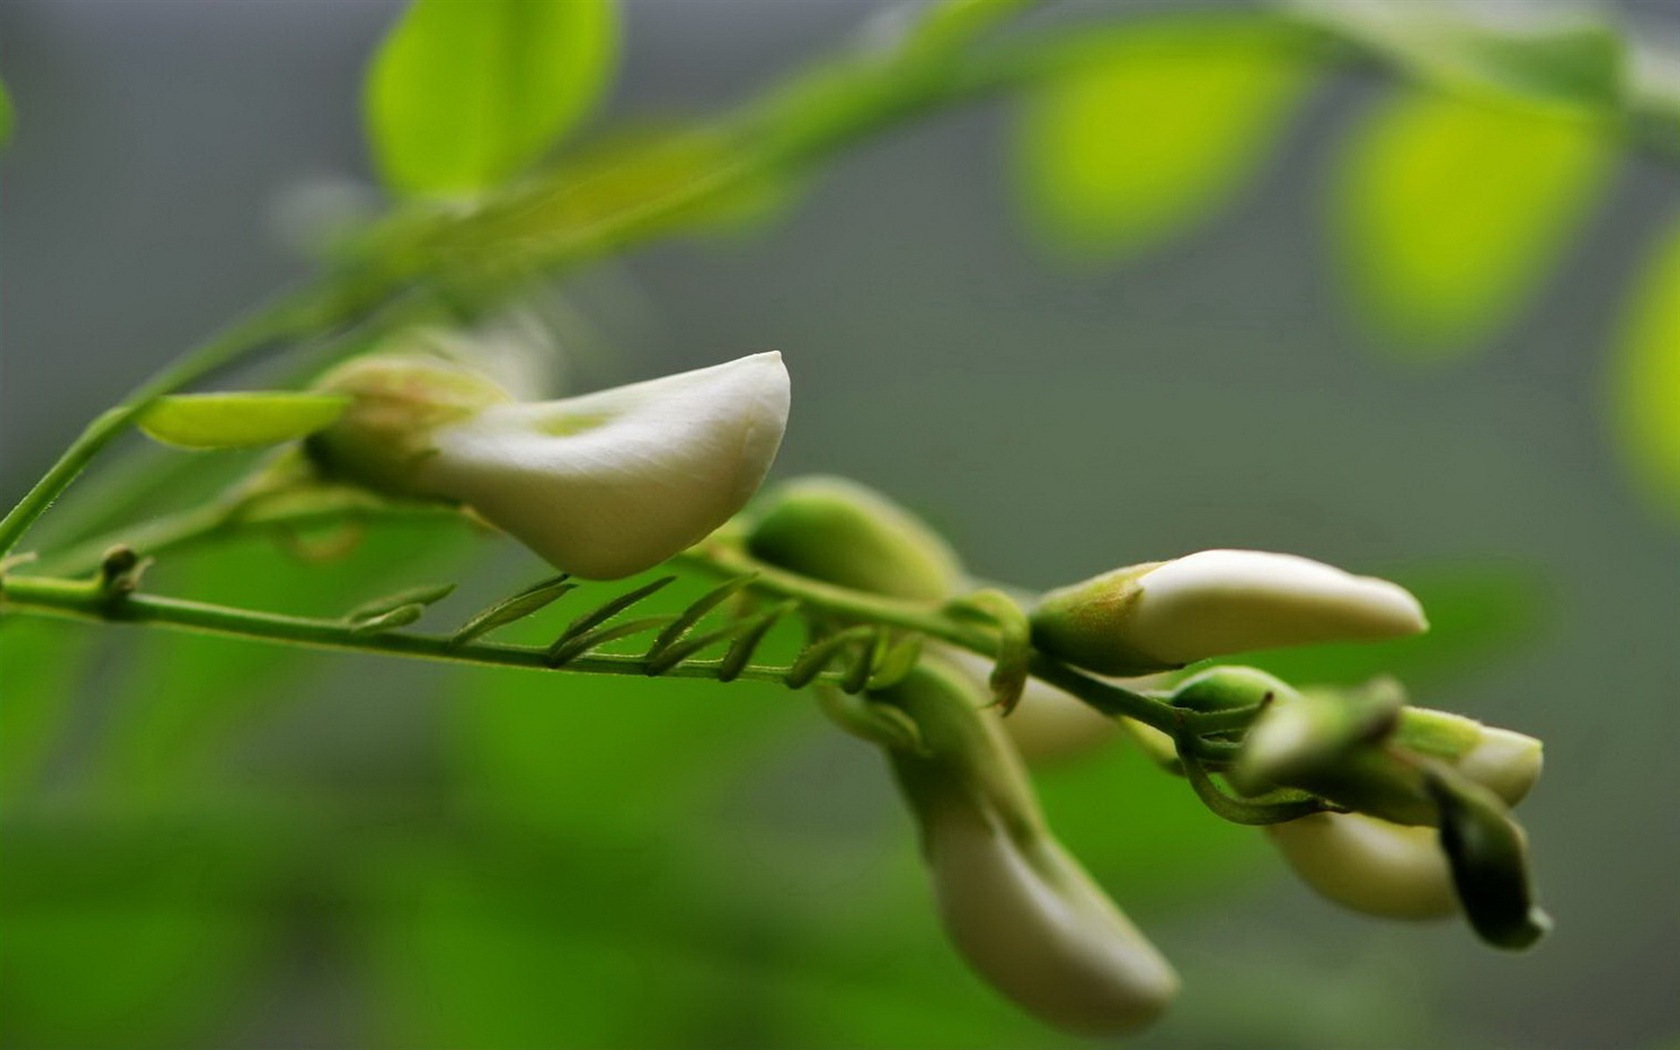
pixel 602 486
pixel 1167 614
pixel 1370 865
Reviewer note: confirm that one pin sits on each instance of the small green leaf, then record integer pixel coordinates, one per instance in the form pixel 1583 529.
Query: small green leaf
pixel 1451 212
pixel 462 96
pixel 421 596
pixel 1122 156
pixel 211 421
pixel 1548 56
pixel 513 608
pixel 1645 382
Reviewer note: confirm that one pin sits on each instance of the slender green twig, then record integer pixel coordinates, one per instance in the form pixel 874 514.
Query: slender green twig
pixel 85 600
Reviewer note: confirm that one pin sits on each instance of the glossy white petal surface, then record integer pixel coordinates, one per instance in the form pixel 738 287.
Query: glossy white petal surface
pixel 1369 865
pixel 612 483
pixel 1228 601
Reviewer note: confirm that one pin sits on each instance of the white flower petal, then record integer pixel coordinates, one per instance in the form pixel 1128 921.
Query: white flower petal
pixel 1228 601
pixel 609 484
pixel 1505 762
pixel 1369 865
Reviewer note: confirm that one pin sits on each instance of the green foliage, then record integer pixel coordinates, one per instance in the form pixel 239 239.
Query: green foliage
pixel 122 939
pixel 211 421
pixel 462 96
pixel 1645 381
pixel 8 117
pixel 1449 213
pixel 1149 141
pixel 41 663
pixel 1545 57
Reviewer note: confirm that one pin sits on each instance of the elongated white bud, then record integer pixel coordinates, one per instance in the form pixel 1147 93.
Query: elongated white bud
pixel 1161 615
pixel 1369 865
pixel 1022 911
pixel 1504 761
pixel 602 486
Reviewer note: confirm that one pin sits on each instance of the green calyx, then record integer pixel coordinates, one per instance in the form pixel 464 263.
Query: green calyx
pixel 396 402
pixel 1084 623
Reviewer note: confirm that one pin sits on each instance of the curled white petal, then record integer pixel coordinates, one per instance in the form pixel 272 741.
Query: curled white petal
pixel 1369 865
pixel 1029 919
pixel 1226 601
pixel 609 484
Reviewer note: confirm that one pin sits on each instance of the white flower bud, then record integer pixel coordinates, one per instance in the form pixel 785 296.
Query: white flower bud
pixel 1369 865
pixel 1022 911
pixel 602 486
pixel 1505 762
pixel 1161 615
pixel 1047 724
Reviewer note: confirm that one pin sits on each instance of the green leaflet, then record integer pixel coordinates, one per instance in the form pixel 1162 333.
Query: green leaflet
pixel 1129 153
pixel 1644 388
pixel 462 96
pixel 242 420
pixel 1450 212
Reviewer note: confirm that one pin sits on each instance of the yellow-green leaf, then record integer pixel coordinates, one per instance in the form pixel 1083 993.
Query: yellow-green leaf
pixel 1158 135
pixel 205 421
pixel 1645 383
pixel 464 95
pixel 1449 213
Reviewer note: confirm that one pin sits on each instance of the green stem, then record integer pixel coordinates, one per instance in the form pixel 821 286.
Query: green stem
pixel 86 600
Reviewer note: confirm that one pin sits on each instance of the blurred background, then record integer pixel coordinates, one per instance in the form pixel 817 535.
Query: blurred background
pixel 208 844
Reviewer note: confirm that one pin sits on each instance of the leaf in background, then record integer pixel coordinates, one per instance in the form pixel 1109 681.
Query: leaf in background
pixel 7 117
pixel 1551 56
pixel 1450 213
pixel 210 421
pixel 1128 153
pixel 120 940
pixel 1645 380
pixel 1477 614
pixel 464 95
pixel 184 695
pixel 41 663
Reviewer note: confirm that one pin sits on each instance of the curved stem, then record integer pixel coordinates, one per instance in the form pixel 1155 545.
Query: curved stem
pixel 86 600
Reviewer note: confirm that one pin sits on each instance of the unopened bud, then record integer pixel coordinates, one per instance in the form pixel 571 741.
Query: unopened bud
pixel 838 531
pixel 1304 732
pixel 1369 865
pixel 1022 911
pixel 1047 724
pixel 602 486
pixel 1505 762
pixel 1161 615
pixel 1488 855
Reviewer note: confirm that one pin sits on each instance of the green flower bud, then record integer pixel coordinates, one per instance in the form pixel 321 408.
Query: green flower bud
pixel 838 531
pixel 1505 762
pixel 1161 615
pixel 1488 855
pixel 602 486
pixel 1369 865
pixel 1022 911
pixel 1302 733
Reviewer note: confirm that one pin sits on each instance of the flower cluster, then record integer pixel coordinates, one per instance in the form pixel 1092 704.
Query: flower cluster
pixel 1383 807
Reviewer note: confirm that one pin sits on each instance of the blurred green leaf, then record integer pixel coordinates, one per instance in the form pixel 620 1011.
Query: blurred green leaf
pixel 41 663
pixel 1645 381
pixel 1126 154
pixel 464 95
pixel 7 116
pixel 183 694
pixel 1553 56
pixel 1450 212
pixel 1478 613
pixel 119 941
pixel 244 420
